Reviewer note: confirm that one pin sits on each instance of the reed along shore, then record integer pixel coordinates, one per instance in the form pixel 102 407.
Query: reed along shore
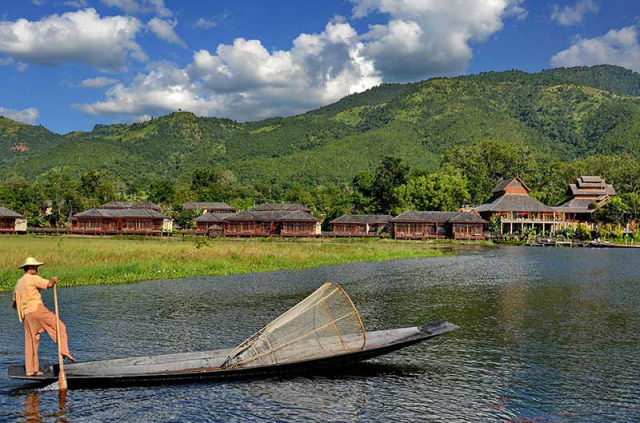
pixel 118 260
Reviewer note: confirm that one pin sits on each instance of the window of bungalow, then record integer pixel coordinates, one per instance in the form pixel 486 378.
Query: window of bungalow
pixel 297 227
pixel 442 230
pixel 6 224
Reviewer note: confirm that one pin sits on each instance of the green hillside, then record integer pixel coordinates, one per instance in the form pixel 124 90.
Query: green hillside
pixel 561 114
pixel 19 141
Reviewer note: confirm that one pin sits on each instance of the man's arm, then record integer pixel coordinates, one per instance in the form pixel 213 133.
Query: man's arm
pixel 52 282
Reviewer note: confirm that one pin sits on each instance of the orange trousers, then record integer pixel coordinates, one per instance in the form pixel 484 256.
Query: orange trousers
pixel 41 320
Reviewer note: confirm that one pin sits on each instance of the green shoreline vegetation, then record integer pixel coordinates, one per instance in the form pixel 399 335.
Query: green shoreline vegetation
pixel 117 260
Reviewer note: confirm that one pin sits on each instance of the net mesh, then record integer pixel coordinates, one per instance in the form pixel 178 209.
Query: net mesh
pixel 324 323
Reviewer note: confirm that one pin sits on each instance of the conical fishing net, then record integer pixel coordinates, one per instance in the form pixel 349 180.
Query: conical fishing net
pixel 324 323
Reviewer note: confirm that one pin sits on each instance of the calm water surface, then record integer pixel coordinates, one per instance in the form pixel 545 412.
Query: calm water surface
pixel 547 335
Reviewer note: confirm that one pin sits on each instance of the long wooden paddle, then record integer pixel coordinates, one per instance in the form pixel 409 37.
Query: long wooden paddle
pixel 62 377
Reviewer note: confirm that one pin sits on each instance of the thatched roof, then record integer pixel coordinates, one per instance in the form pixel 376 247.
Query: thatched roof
pixel 362 219
pixel 437 217
pixel 213 206
pixel 513 203
pixel 5 212
pixel 122 213
pixel 271 216
pixel 281 207
pixel 211 217
pixel 131 205
pixel 578 205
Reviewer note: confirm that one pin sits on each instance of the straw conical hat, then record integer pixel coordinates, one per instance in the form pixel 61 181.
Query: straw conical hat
pixel 30 261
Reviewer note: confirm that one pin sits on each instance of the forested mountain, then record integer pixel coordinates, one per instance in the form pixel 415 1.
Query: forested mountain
pixel 19 141
pixel 559 114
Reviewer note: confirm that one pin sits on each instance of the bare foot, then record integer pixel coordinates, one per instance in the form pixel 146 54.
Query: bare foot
pixel 69 357
pixel 35 374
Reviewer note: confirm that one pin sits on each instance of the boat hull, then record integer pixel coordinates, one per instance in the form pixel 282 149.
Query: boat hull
pixel 191 367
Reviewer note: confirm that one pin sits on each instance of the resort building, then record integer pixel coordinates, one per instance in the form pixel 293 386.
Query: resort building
pixel 437 224
pixel 281 207
pixel 360 224
pixel 115 219
pixel 516 209
pixel 211 224
pixel 209 207
pixel 12 222
pixel 271 223
pixel 585 196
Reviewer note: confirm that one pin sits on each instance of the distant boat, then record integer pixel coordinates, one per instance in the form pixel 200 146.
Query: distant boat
pixel 323 331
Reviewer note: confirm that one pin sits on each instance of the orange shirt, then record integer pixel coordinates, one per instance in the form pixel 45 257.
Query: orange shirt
pixel 27 293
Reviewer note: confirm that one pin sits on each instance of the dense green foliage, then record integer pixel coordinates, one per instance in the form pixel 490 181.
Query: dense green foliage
pixel 435 144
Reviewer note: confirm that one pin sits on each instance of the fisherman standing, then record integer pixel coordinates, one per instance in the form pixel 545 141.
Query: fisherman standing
pixel 36 317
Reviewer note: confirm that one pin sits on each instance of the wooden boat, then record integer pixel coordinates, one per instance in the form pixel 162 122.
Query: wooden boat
pixel 323 331
pixel 206 365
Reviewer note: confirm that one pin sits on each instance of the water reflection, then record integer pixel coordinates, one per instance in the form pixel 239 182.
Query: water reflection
pixel 33 414
pixel 546 335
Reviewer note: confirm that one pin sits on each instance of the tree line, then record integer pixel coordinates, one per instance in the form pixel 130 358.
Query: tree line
pixel 465 176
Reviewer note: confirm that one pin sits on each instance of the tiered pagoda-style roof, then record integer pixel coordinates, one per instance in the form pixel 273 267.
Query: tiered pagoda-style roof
pixel 584 193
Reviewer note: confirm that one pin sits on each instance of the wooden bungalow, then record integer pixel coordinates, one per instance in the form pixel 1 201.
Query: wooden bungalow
pixel 584 197
pixel 516 209
pixel 360 224
pixel 209 207
pixel 131 221
pixel 271 223
pixel 437 224
pixel 12 222
pixel 281 207
pixel 210 224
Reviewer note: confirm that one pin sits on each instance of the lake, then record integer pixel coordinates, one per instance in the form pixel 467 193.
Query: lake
pixel 546 335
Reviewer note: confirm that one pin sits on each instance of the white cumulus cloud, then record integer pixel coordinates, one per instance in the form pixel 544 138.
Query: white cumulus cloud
pixel 98 82
pixel 28 116
pixel 245 80
pixel 572 15
pixel 77 37
pixel 141 6
pixel 431 37
pixel 617 47
pixel 164 29
pixel 164 88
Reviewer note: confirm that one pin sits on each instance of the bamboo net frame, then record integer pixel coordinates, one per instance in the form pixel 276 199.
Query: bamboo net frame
pixel 325 323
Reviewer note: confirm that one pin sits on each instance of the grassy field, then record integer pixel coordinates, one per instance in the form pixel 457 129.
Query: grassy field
pixel 94 261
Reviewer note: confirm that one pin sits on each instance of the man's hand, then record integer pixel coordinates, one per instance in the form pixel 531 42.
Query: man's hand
pixel 53 281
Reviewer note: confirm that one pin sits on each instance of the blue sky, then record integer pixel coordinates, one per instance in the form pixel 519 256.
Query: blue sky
pixel 69 64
